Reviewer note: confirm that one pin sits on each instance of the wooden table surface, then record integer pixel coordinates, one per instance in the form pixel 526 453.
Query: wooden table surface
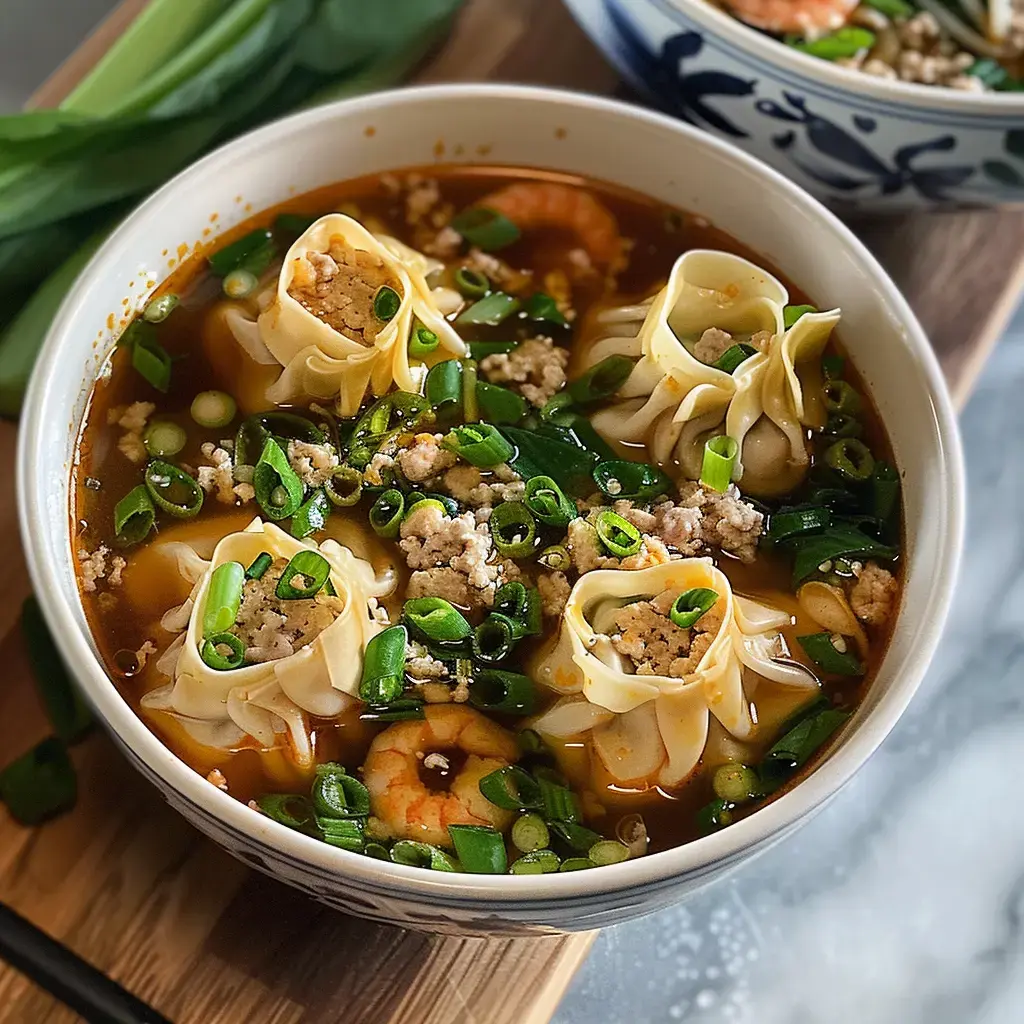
pixel 129 885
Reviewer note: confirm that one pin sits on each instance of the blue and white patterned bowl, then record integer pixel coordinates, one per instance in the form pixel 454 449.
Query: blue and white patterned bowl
pixel 857 142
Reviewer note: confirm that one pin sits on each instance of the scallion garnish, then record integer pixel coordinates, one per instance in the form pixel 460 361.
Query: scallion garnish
pixel 443 389
pixel 407 709
pixel 278 489
pixel 790 314
pixel 555 557
pixel 336 794
pixel 223 597
pixel 832 654
pixel 394 413
pixel 601 381
pixel 840 398
pixel 714 816
pixel 472 283
pixel 521 604
pixel 344 487
pixel 512 789
pixel 576 864
pixel 384 666
pixel 422 341
pixel 480 444
pixel 344 833
pixel 163 439
pixel 508 693
pixel 480 849
pixel 491 310
pixel 885 490
pixel 543 307
pixel 470 408
pixel 212 651
pixel 832 366
pixel 607 851
pixel 213 409
pixel 173 490
pixel 303 576
pixel 800 743
pixel 560 803
pixel 485 228
pixel 513 529
pixel 39 784
pixel 539 862
pixel 386 303
pixel 499 405
pixel 134 515
pixel 311 516
pixel 851 459
pixel 260 564
pixel 483 349
pixel 152 361
pixel 793 522
pixel 635 481
pixel 494 638
pixel 387 513
pixel 529 833
pixel 436 619
pixel 254 431
pixel 253 252
pixel 548 502
pixel 288 809
pixel 691 605
pixel 735 783
pixel 619 536
pixel 733 356
pixel 720 454
pixel 240 283
pixel 577 837
pixel 421 855
pixel 159 309
pixel 839 425
pixel 845 42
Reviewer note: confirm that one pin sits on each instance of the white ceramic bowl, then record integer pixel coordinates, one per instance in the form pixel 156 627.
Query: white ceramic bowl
pixel 860 143
pixel 512 125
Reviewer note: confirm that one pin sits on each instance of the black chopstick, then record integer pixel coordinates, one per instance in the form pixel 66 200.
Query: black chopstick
pixel 53 967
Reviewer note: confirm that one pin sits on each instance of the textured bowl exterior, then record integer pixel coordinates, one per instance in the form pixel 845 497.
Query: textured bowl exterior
pixel 513 125
pixel 856 142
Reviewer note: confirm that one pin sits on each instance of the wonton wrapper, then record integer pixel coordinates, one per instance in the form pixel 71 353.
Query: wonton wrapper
pixel 264 700
pixel 319 361
pixel 672 399
pixel 654 728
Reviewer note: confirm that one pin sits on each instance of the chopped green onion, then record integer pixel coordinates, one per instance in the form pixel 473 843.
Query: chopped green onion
pixel 443 390
pixel 576 837
pixel 494 638
pixel 337 794
pixel 491 310
pixel 407 709
pixel 512 789
pixel 733 356
pixel 223 597
pixel 635 481
pixel 485 228
pixel 482 349
pixel 65 707
pixel 538 862
pixel 555 557
pixel 851 459
pixel 480 444
pixel 421 855
pixel 254 431
pixel 619 536
pixel 560 409
pixel 294 223
pixel 173 490
pixel 343 833
pixel 436 619
pixel 547 501
pixel 508 693
pixel 529 833
pixel 801 742
pixel 240 283
pixel 377 851
pixel 885 490
pixel 837 540
pixel 790 314
pixel 213 408
pixel 278 489
pixel 839 425
pixel 260 564
pixel 252 252
pixel 714 816
pixel 134 515
pixel 691 605
pixel 513 529
pixel 601 381
pixel 395 413
pixel 840 398
pixel 576 864
pixel 311 516
pixel 287 809
pixel 387 513
pixel 212 655
pixel 163 438
pixel 832 366
pixel 555 453
pixel 498 404
pixel 39 784
pixel 735 783
pixel 159 309
pixel 845 42
pixel 303 576
pixel 344 486
pixel 472 283
pixel 384 666
pixel 470 409
pixel 543 307
pixel 560 803
pixel 720 454
pixel 480 849
pixel 793 522
pixel 822 650
pixel 422 342
pixel 521 604
pixel 151 360
pixel 386 303
pixel 608 851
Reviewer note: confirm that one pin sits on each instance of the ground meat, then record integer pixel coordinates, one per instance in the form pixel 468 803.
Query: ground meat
pixel 380 471
pixel 144 653
pixel 338 288
pixel 554 592
pixel 536 366
pixel 423 195
pixel 132 419
pixel 451 585
pixel 873 596
pixel 421 665
pixel 445 244
pixel 98 565
pixel 726 522
pixel 498 271
pixel 587 553
pixel 312 463
pixel 468 486
pixel 425 459
pixel 218 779
pixel 558 286
pixel 117 567
pixel 271 628
pixel 219 478
pixel 712 345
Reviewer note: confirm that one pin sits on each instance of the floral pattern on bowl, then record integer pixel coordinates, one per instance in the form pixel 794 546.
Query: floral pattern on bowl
pixel 897 151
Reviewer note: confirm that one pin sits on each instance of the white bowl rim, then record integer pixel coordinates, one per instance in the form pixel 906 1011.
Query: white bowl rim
pixel 464 889
pixel 752 40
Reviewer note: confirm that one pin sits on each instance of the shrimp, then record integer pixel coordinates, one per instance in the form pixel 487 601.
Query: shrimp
pixel 410 808
pixel 808 18
pixel 548 204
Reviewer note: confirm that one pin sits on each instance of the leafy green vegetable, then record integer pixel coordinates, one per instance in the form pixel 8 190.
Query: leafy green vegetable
pixel 817 549
pixel 537 455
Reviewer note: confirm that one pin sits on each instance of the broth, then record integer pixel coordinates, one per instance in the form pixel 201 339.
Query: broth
pixel 126 617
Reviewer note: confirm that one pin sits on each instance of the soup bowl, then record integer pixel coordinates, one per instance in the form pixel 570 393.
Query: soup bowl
pixel 648 152
pixel 860 143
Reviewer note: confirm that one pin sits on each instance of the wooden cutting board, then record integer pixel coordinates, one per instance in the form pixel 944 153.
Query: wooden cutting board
pixel 129 885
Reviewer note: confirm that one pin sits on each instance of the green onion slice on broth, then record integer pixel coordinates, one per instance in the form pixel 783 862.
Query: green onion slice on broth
pixel 164 438
pixel 260 564
pixel 851 459
pixel 336 794
pixel 720 454
pixel 288 809
pixel 485 228
pixel 222 651
pixel 134 515
pixel 491 310
pixel 494 638
pixel 508 693
pixel 637 481
pixel 691 605
pixel 543 307
pixel 384 666
pixel 619 536
pixel 498 404
pixel 733 356
pixel 303 577
pixel 344 487
pixel 422 342
pixel 387 513
pixel 513 529
pixel 472 283
pixel 521 604
pixel 513 789
pixel 480 444
pixel 253 253
pixel 152 361
pixel 159 309
pixel 311 516
pixel 790 314
pixel 537 862
pixel 173 491
pixel 480 849
pixel 421 855
pixel 824 650
pixel 529 833
pixel 279 491
pixel 601 381
pixel 213 409
pixel 436 619
pixel 548 502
